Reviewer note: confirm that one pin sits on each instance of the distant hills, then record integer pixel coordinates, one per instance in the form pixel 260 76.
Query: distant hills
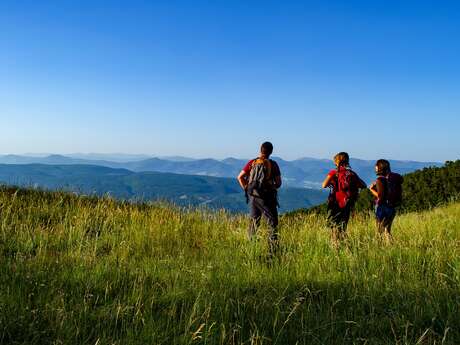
pixel 300 173
pixel 183 190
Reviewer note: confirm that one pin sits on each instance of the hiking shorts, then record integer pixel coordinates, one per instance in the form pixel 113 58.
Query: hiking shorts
pixel 384 212
pixel 338 217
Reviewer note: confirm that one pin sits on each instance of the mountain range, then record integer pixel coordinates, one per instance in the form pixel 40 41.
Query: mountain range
pixel 180 189
pixel 299 173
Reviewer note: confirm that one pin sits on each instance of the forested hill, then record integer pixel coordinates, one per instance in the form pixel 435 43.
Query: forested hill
pixel 431 187
pixel 422 189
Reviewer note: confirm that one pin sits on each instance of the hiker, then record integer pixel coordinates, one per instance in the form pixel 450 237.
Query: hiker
pixel 345 185
pixel 387 190
pixel 260 179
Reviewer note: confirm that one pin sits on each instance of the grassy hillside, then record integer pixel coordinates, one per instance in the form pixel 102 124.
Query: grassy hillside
pixel 77 270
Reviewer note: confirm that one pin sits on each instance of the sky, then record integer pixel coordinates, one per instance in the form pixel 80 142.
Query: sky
pixel 217 78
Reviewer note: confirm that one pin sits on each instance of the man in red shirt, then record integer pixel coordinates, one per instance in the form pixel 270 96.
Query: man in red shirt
pixel 260 179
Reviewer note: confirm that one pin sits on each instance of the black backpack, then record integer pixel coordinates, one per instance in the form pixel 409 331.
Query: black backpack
pixel 393 189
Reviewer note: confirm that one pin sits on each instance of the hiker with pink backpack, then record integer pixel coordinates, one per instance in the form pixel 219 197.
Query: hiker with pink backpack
pixel 387 190
pixel 345 185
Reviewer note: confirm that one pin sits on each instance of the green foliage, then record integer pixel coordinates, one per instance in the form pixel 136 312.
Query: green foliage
pixel 431 187
pixel 422 190
pixel 79 270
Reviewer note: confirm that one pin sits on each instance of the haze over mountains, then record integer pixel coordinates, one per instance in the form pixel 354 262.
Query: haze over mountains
pixel 182 190
pixel 181 180
pixel 299 173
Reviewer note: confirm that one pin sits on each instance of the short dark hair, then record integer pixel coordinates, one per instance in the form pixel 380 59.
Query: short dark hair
pixel 266 148
pixel 383 167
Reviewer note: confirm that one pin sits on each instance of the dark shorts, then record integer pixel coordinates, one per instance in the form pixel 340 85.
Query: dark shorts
pixel 384 212
pixel 338 217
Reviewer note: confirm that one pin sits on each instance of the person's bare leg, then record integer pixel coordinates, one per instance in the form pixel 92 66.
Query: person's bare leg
pixel 337 236
pixel 380 228
pixel 377 226
pixel 387 231
pixel 343 235
pixel 334 237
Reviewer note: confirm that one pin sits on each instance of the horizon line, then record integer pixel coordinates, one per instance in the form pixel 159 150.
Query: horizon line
pixel 169 157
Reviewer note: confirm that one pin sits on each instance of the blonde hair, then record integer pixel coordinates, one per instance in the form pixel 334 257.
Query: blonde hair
pixel 342 159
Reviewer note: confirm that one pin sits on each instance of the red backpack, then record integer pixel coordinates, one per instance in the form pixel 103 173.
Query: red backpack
pixel 347 186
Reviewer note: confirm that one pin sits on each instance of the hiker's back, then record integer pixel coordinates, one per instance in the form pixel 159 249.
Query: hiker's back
pixel 260 182
pixel 387 190
pixel 394 183
pixel 346 186
pixel 260 179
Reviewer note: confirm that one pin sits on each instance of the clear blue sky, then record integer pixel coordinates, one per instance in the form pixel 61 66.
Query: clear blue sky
pixel 215 78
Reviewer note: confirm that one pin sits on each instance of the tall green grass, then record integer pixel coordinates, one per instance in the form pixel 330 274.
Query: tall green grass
pixel 76 270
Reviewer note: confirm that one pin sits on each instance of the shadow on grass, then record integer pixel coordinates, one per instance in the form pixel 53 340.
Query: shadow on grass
pixel 48 305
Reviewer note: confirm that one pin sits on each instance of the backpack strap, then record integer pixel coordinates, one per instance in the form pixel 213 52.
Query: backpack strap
pixel 253 162
pixel 337 184
pixel 270 169
pixel 269 166
pixel 384 180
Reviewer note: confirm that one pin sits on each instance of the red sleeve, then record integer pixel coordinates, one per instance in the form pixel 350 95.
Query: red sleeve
pixel 332 173
pixel 248 166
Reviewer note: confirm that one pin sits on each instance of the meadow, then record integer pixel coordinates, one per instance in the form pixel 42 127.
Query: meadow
pixel 81 270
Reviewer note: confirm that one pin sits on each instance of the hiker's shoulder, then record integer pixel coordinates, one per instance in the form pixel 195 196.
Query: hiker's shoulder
pixel 248 165
pixel 352 171
pixel 396 177
pixel 275 165
pixel 273 162
pixel 332 172
pixel 381 180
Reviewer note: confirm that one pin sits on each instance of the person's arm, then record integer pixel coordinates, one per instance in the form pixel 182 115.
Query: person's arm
pixel 373 189
pixel 327 181
pixel 277 175
pixel 378 190
pixel 243 179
